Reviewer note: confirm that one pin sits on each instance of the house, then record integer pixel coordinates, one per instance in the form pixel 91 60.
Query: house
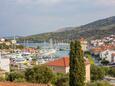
pixel 4 63
pixel 113 57
pixel 98 50
pixel 84 44
pixel 108 55
pixel 61 65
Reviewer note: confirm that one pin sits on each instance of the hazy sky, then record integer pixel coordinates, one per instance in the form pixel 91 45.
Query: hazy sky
pixel 26 17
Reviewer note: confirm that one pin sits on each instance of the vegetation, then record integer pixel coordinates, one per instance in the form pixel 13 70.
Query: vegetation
pixel 111 72
pixel 89 56
pixel 104 62
pixel 42 74
pixel 61 79
pixel 4 46
pixel 39 74
pixel 97 73
pixel 99 83
pixel 19 46
pixel 15 76
pixel 77 65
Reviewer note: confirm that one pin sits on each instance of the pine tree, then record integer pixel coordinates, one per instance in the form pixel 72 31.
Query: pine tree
pixel 77 65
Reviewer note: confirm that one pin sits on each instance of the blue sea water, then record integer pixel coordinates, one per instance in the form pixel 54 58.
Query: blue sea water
pixel 62 53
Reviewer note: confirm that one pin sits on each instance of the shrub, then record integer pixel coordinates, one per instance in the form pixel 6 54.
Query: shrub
pixel 99 83
pixel 111 72
pixel 62 79
pixel 97 73
pixel 39 74
pixel 2 79
pixel 20 80
pixel 13 76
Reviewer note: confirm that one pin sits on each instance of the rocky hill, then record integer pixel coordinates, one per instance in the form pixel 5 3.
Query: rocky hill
pixel 96 29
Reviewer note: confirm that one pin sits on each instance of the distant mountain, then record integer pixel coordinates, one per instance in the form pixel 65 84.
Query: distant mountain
pixel 96 29
pixel 12 37
pixel 65 29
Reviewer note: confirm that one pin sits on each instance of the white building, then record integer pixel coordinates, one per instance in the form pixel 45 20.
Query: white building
pixel 108 55
pixel 4 63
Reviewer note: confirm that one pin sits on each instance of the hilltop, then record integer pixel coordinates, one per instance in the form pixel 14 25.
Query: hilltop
pixel 96 29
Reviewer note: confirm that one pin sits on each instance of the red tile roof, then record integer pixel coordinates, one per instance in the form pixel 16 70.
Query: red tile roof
pixel 113 54
pixel 62 62
pixel 20 84
pixel 103 48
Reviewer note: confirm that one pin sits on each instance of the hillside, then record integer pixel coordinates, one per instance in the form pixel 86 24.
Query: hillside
pixel 92 30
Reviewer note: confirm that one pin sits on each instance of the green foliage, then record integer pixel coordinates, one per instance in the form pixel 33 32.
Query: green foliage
pixel 39 74
pixel 104 62
pixel 14 76
pixel 61 79
pixel 56 77
pixel 105 69
pixel 77 65
pixel 97 73
pixel 19 46
pixel 38 47
pixel 99 83
pixel 4 46
pixel 2 79
pixel 88 55
pixel 112 72
pixel 20 80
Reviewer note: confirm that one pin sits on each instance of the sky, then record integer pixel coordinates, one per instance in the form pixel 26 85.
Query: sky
pixel 28 17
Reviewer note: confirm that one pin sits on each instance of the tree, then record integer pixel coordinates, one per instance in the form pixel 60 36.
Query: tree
pixel 104 62
pixel 88 55
pixel 112 71
pixel 61 79
pixel 14 76
pixel 77 65
pixel 97 73
pixel 19 46
pixel 39 74
pixel 38 47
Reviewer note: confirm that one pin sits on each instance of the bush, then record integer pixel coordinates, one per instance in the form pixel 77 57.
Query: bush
pixel 97 73
pixel 104 62
pixel 20 80
pixel 111 72
pixel 2 79
pixel 39 74
pixel 63 82
pixel 99 83
pixel 14 76
pixel 105 69
pixel 61 79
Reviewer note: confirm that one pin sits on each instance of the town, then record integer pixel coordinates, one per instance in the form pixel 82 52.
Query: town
pixel 16 57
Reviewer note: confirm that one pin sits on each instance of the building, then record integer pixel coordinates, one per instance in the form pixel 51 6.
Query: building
pixel 113 57
pixel 4 63
pixel 61 65
pixel 84 44
pixel 108 55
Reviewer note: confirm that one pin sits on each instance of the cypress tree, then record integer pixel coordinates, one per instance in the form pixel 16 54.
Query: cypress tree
pixel 77 65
